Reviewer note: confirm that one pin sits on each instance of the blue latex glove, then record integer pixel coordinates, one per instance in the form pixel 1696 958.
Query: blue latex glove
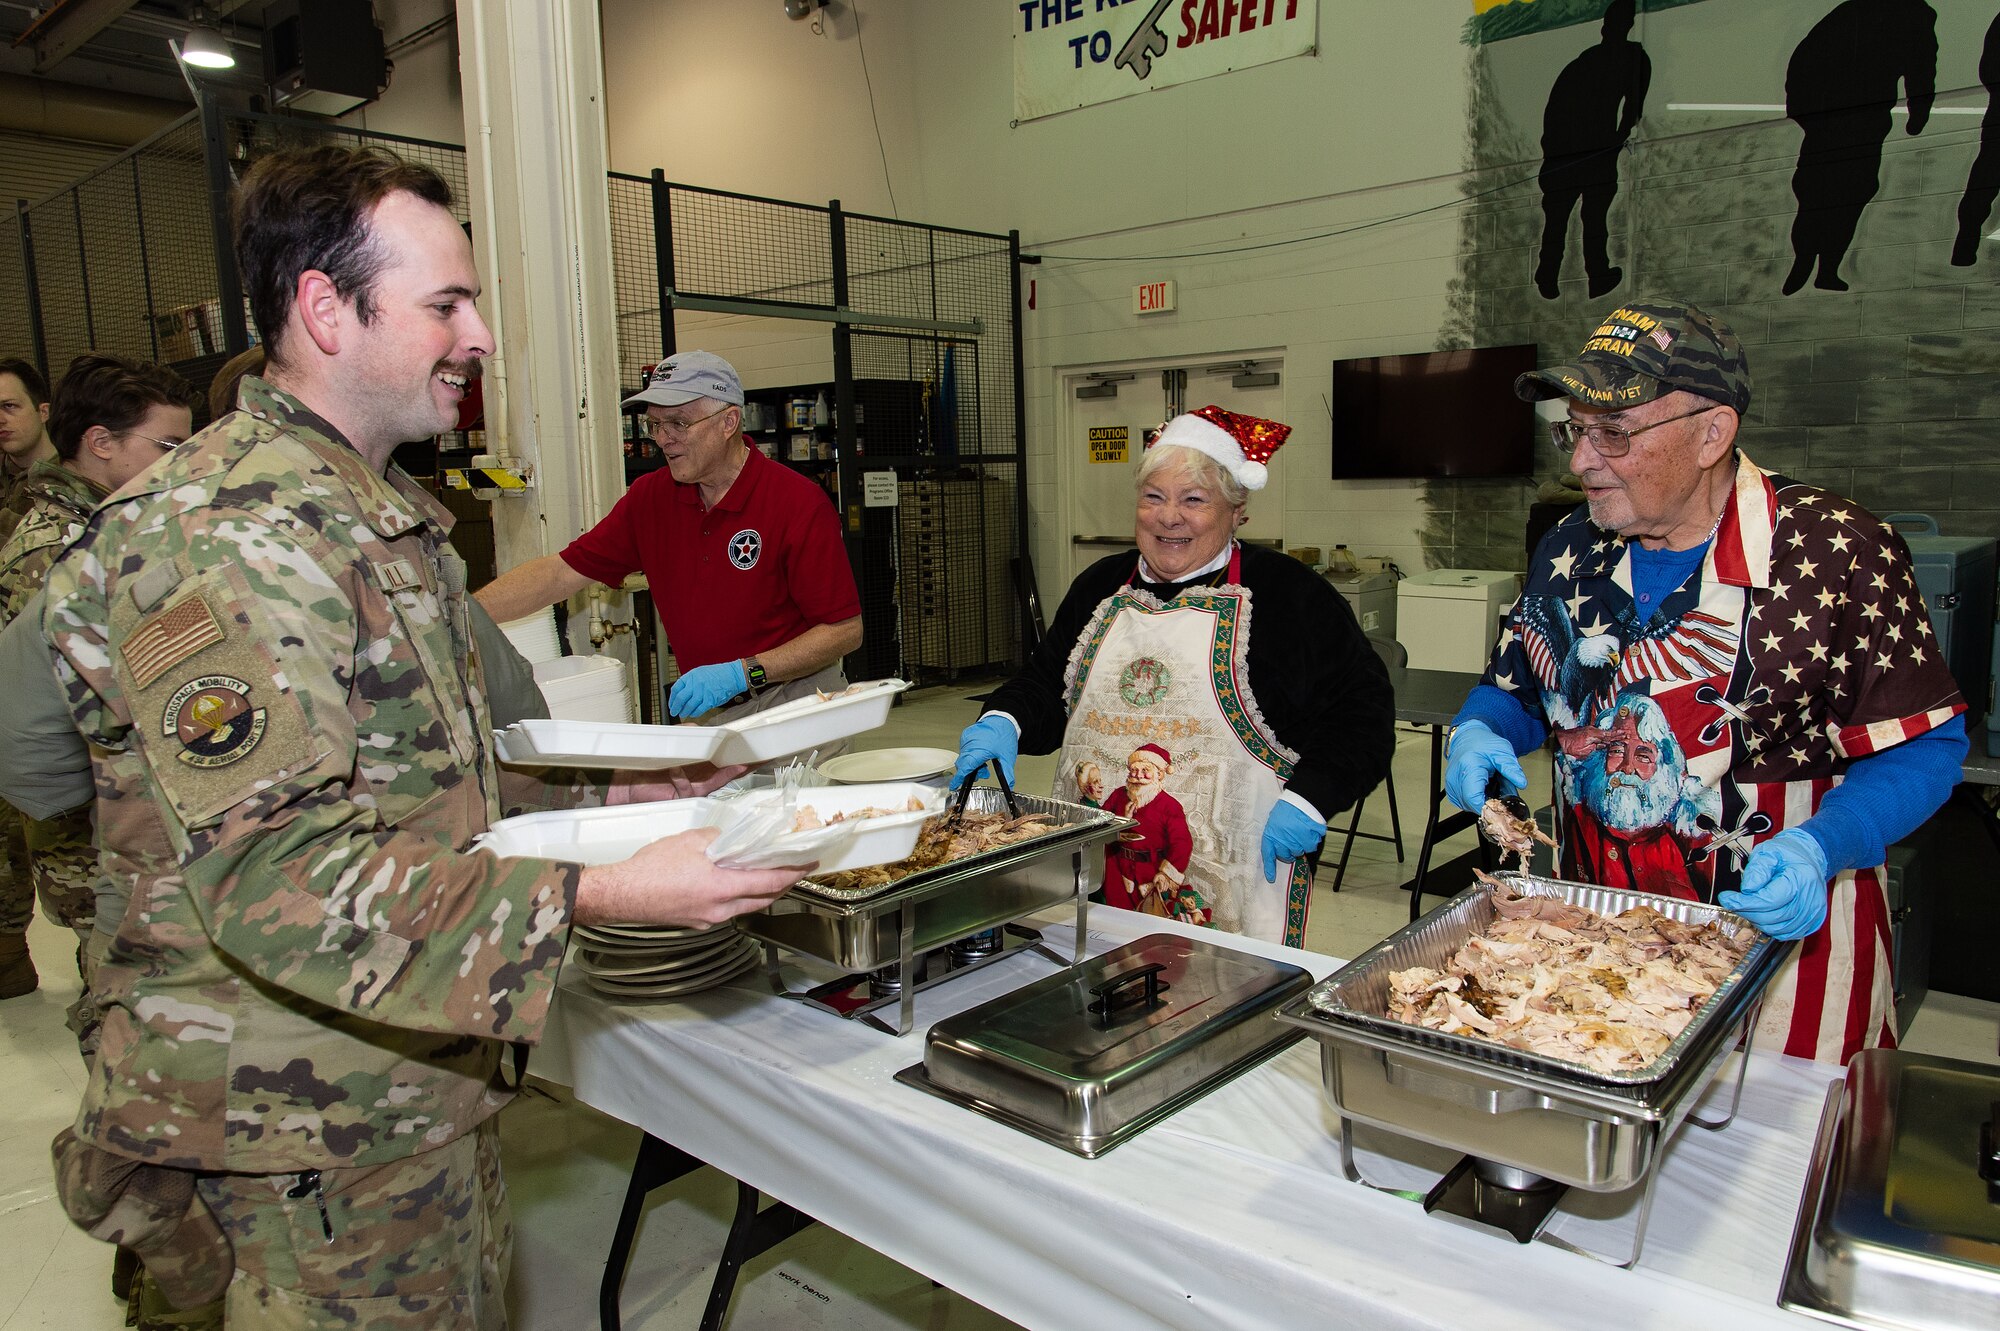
pixel 1476 754
pixel 981 742
pixel 1288 833
pixel 1784 886
pixel 706 688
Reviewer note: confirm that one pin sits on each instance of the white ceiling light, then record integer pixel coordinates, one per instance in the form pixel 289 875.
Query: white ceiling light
pixel 205 47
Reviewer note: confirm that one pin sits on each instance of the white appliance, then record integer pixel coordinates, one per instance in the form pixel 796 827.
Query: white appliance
pixel 1448 618
pixel 1372 598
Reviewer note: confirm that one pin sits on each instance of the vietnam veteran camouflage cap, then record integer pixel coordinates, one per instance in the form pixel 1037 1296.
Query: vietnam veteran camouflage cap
pixel 1642 351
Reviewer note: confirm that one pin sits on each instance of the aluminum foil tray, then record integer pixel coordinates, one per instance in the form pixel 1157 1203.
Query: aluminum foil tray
pixel 1073 821
pixel 1358 994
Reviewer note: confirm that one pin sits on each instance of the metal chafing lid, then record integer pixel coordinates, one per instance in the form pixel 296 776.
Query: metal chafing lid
pixel 1043 1052
pixel 1903 1230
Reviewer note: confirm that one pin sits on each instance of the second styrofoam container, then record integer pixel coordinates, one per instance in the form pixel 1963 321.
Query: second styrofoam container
pixel 596 836
pixel 851 843
pixel 807 723
pixel 555 742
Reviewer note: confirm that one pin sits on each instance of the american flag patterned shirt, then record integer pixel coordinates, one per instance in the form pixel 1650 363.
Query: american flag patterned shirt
pixel 1686 734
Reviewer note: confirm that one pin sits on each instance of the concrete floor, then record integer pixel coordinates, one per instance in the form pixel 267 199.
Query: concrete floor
pixel 567 1164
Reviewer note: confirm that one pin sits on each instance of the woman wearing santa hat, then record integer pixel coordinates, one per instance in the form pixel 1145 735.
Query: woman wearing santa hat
pixel 1239 662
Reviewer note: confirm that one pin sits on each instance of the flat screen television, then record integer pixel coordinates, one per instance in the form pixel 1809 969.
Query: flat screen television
pixel 1433 414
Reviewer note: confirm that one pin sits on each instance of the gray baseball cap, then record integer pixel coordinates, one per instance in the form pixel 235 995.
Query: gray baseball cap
pixel 687 375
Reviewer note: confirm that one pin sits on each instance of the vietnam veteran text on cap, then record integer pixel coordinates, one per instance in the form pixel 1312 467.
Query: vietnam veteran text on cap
pixel 1641 351
pixel 687 375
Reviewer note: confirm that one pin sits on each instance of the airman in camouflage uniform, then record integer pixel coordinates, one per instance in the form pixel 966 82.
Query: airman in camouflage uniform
pixel 110 419
pixel 61 862
pixel 24 408
pixel 267 642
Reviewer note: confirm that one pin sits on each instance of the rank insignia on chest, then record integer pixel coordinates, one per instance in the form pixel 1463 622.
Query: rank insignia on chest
pixel 214 720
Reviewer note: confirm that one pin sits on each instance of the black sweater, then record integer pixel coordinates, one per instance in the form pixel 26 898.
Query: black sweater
pixel 1322 689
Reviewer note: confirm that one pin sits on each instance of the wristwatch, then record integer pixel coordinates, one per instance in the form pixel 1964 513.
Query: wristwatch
pixel 753 671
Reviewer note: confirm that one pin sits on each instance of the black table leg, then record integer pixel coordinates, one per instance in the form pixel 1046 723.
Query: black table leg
pixel 657 1165
pixel 752 1232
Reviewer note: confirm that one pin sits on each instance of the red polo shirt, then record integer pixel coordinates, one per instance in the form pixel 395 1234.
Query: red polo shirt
pixel 755 571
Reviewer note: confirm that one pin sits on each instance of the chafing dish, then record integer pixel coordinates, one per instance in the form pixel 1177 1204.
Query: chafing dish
pixel 1530 1126
pixel 876 928
pixel 1091 1056
pixel 1899 1224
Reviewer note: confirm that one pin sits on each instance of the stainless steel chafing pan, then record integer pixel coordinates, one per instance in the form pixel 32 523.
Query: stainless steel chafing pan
pixel 866 929
pixel 1510 1110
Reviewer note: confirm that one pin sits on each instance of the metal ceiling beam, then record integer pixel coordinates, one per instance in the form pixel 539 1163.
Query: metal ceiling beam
pixel 224 8
pixel 63 30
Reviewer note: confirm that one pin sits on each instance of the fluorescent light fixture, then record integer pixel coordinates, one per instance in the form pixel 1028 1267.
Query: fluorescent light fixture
pixel 1779 107
pixel 206 48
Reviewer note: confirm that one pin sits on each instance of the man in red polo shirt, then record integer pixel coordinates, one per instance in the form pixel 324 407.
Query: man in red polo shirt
pixel 743 554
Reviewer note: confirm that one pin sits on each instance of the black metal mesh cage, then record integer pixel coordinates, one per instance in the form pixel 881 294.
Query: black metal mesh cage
pixel 907 330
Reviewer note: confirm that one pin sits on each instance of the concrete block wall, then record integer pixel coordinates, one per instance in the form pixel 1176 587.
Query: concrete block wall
pixel 1888 393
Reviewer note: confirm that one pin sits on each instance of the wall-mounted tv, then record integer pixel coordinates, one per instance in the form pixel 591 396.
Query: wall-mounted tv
pixel 1433 414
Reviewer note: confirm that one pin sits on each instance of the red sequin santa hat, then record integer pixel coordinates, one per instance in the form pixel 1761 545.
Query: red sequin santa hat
pixel 1166 761
pixel 1242 444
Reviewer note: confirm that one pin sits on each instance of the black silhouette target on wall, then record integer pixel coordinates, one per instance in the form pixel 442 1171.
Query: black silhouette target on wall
pixel 1841 88
pixel 1593 107
pixel 1983 184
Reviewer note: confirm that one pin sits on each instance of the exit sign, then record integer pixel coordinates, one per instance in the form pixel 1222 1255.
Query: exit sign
pixel 1153 297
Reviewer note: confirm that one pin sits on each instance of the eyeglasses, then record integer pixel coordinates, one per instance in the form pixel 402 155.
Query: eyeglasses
pixel 168 445
pixel 660 429
pixel 1608 441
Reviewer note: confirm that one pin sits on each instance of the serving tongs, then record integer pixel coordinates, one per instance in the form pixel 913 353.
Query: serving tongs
pixel 1516 807
pixel 965 793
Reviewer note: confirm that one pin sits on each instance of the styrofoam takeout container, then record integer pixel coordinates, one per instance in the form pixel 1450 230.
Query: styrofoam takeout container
pixel 597 836
pixel 558 742
pixel 604 836
pixel 852 843
pixel 807 723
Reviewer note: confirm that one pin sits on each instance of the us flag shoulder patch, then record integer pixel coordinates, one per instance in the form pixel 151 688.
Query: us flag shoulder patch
pixel 169 638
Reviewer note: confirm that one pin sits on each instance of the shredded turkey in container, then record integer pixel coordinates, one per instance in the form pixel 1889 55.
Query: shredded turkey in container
pixel 942 841
pixel 1564 982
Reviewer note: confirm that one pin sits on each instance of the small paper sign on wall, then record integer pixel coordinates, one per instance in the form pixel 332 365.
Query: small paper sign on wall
pixel 878 489
pixel 1109 443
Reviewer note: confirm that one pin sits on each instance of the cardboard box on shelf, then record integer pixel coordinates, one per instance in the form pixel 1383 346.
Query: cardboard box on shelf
pixel 181 334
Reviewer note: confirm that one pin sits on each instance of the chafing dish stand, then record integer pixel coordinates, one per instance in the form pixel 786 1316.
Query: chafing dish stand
pixel 900 939
pixel 1530 1126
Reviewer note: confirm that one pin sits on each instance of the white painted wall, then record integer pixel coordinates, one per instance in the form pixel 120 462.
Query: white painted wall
pixel 731 94
pixel 424 97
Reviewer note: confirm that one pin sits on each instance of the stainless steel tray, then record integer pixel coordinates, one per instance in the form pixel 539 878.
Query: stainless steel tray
pixel 1549 1117
pixel 1896 1228
pixel 1359 992
pixel 892 925
pixel 1072 821
pixel 1084 1059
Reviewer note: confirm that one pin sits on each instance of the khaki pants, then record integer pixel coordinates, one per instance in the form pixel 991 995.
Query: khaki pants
pixel 422 1243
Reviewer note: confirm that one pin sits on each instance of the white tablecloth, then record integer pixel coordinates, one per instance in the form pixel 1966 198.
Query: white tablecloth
pixel 1232 1213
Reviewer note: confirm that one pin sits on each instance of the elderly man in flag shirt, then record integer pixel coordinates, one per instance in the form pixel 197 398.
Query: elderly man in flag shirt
pixel 1778 632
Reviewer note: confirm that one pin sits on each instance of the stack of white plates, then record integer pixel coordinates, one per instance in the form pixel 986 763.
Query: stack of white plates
pixel 586 688
pixel 643 962
pixel 535 636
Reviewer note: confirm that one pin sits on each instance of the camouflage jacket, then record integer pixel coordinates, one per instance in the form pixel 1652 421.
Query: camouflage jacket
pixel 266 643
pixel 12 502
pixel 57 503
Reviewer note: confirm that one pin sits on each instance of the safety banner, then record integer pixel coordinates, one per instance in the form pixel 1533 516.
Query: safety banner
pixel 1072 53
